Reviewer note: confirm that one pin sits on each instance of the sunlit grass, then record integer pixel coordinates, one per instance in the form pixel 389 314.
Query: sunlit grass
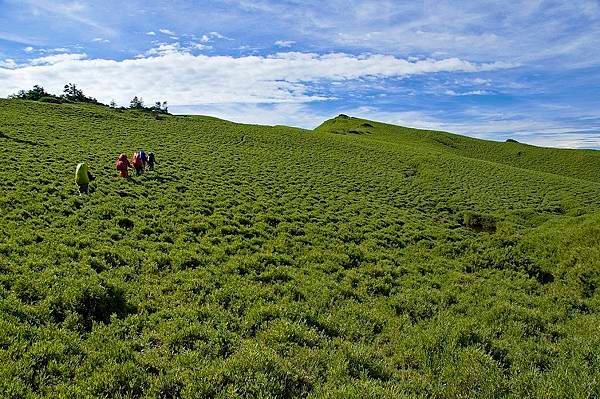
pixel 276 262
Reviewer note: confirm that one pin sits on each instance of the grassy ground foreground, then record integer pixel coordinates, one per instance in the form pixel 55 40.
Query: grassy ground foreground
pixel 357 260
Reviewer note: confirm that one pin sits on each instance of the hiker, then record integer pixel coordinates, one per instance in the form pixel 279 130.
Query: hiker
pixel 144 158
pixel 123 165
pixel 151 161
pixel 83 176
pixel 138 165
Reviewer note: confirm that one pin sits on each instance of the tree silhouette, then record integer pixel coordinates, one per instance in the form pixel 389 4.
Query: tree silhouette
pixel 35 94
pixel 72 93
pixel 136 103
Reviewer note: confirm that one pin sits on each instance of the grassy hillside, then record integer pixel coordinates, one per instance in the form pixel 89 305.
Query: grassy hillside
pixel 271 262
pixel 582 164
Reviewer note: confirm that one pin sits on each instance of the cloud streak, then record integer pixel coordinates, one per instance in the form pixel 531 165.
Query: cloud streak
pixel 167 32
pixel 285 43
pixel 73 11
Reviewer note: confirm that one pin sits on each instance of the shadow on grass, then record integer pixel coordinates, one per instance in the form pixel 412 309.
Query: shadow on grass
pixel 21 141
pixel 160 178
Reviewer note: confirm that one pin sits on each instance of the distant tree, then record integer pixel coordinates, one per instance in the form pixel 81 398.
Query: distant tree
pixel 38 92
pixel 156 109
pixel 34 94
pixel 72 93
pixel 21 94
pixel 136 103
pixel 159 108
pixel 113 104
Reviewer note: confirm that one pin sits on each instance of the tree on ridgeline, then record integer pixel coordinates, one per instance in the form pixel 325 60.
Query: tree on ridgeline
pixel 136 103
pixel 73 94
pixel 70 94
pixel 160 108
pixel 37 93
pixel 157 109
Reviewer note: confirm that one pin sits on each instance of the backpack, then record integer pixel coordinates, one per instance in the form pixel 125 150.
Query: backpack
pixel 143 156
pixel 81 174
pixel 151 157
pixel 137 160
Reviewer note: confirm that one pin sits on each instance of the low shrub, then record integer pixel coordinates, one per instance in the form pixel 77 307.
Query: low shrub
pixel 52 100
pixel 479 222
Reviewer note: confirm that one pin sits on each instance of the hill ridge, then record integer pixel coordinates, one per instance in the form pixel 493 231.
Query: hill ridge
pixel 579 163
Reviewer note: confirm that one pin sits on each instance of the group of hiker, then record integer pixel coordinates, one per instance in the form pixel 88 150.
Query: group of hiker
pixel 140 161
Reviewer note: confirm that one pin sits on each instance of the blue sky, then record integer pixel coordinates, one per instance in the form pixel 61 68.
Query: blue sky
pixel 529 69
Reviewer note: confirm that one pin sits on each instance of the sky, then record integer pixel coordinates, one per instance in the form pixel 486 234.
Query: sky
pixel 522 69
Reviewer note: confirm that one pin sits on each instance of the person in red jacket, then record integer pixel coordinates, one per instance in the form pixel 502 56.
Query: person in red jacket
pixel 138 164
pixel 123 165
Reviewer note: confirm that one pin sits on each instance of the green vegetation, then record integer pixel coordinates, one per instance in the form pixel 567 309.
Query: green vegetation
pixel 158 107
pixel 71 94
pixel 359 260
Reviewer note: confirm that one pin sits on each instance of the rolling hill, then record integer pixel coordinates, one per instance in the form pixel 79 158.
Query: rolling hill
pixel 358 259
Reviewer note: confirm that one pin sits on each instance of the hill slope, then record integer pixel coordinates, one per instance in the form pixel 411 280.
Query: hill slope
pixel 277 262
pixel 582 164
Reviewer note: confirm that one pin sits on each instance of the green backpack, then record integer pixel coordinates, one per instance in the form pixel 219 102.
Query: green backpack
pixel 81 174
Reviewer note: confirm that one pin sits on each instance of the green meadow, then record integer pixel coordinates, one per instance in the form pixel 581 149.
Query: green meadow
pixel 356 260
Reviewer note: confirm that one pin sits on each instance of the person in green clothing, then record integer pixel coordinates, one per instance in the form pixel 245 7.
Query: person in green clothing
pixel 83 176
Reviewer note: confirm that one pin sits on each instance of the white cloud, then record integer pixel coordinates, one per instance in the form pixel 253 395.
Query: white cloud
pixel 479 81
pixel 100 40
pixel 57 59
pixel 218 36
pixel 167 32
pixel 55 50
pixel 50 50
pixel 209 37
pixel 200 46
pixel 173 74
pixel 151 33
pixel 8 63
pixel 285 43
pixel 164 49
pixel 467 93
